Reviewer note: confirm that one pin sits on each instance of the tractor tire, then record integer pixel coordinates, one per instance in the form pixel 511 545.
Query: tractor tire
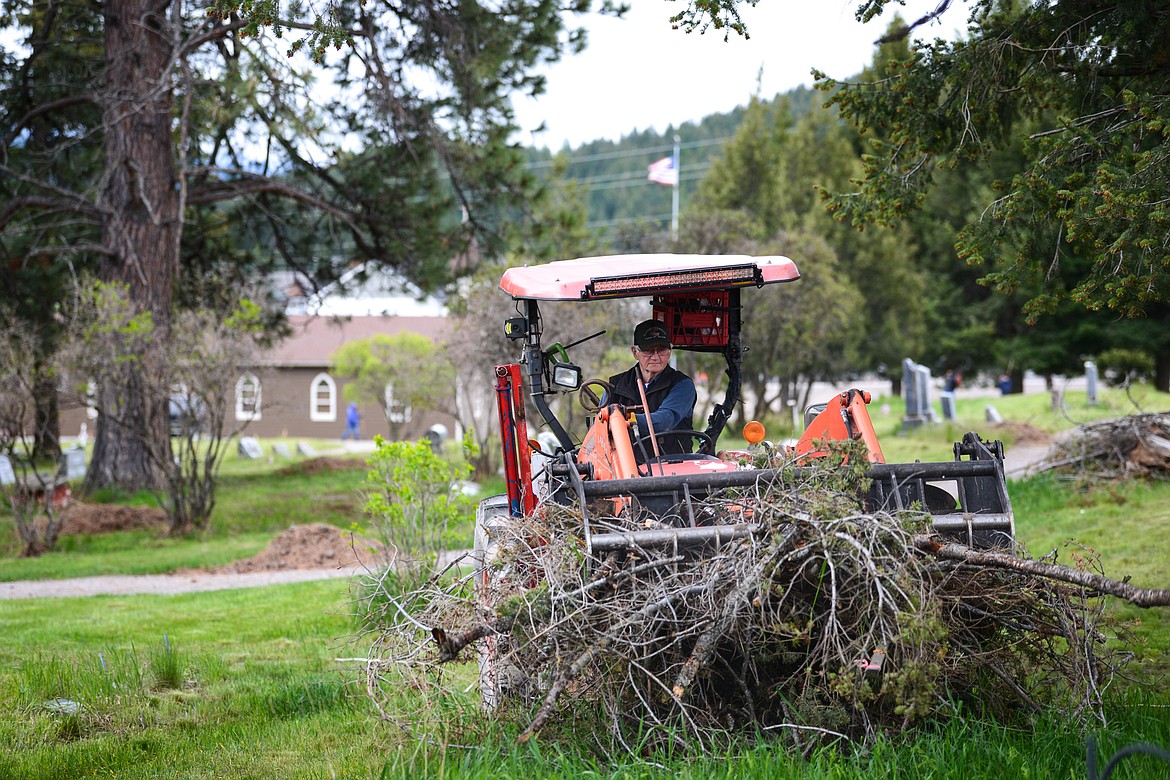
pixel 496 676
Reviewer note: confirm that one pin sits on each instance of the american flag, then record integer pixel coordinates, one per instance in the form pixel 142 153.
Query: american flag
pixel 664 171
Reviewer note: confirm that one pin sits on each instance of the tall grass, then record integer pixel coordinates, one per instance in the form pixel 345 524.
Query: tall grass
pixel 167 666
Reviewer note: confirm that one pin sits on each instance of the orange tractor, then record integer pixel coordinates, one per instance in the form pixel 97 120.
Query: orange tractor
pixel 697 299
pixel 610 465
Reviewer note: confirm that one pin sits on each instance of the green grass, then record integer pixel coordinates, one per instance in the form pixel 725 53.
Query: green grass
pixel 262 695
pixel 934 442
pixel 255 502
pixel 249 688
pixel 1120 523
pixel 132 552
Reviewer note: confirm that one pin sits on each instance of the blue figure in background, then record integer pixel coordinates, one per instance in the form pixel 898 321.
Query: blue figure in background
pixel 352 418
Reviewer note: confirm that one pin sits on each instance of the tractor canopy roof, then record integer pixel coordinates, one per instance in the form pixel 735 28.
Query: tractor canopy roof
pixel 628 276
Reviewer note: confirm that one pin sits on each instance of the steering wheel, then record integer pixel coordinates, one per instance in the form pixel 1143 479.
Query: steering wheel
pixel 706 443
pixel 589 398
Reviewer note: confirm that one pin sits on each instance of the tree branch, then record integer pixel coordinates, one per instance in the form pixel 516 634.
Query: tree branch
pixel 1141 597
pixel 45 108
pixel 218 191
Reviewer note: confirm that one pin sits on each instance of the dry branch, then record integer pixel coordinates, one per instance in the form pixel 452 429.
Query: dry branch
pixel 1142 597
pixel 768 633
pixel 1134 445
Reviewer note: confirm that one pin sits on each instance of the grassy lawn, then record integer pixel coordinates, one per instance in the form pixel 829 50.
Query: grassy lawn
pixel 258 692
pixel 248 683
pixel 256 500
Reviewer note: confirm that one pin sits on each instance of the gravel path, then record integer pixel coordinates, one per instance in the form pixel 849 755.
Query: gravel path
pixel 1019 461
pixel 188 582
pixel 182 582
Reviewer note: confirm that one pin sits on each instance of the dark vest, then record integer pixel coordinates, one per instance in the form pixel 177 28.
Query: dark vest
pixel 625 391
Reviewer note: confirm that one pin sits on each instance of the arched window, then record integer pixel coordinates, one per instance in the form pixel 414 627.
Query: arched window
pixel 323 399
pixel 247 398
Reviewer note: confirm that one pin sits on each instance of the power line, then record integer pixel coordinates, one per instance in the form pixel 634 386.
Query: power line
pixel 621 154
pixel 638 179
pixel 601 223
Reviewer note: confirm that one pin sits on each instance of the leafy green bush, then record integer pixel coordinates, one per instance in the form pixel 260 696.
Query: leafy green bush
pixel 413 500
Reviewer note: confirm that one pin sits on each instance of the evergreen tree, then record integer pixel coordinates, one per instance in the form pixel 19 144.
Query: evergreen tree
pixel 1082 89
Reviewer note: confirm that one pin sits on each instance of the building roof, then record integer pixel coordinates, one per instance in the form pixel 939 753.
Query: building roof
pixel 367 289
pixel 315 339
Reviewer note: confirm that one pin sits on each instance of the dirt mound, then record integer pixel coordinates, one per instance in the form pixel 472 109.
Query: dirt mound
pixel 1024 434
pixel 313 546
pixel 81 518
pixel 320 465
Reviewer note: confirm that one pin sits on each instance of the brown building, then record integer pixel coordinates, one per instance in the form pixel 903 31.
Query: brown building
pixel 292 391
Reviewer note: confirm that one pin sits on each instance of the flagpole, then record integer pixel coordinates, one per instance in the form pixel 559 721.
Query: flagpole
pixel 674 199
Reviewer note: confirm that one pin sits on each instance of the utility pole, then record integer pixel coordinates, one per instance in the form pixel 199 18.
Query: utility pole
pixel 674 195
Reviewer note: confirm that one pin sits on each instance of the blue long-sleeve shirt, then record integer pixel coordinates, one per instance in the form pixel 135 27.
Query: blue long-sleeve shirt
pixel 676 408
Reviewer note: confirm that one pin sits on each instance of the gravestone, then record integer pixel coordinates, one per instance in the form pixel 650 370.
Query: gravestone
pixel 910 388
pixel 992 415
pixel 1091 382
pixel 947 400
pixel 435 435
pixel 303 448
pixel 250 448
pixel 73 463
pixel 281 450
pixel 925 408
pixel 7 475
pixel 916 392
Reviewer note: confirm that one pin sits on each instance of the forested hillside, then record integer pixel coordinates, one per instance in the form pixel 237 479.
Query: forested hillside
pixel 615 172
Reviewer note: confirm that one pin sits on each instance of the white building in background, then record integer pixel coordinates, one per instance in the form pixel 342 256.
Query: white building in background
pixel 366 290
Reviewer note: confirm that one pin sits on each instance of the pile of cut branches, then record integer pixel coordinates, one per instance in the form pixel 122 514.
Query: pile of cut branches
pixel 826 622
pixel 1137 445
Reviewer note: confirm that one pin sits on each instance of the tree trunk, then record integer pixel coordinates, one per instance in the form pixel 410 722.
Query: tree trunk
pixel 46 430
pixel 140 227
pixel 1162 372
pixel 1017 375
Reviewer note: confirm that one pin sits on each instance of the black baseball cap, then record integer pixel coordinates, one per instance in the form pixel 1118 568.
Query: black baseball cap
pixel 650 333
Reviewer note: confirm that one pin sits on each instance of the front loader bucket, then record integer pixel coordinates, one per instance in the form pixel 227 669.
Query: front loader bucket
pixel 967 499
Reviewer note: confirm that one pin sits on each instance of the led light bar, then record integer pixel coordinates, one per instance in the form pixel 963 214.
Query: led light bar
pixel 729 276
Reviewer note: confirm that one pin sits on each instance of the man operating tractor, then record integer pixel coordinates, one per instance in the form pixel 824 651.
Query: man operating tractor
pixel 667 394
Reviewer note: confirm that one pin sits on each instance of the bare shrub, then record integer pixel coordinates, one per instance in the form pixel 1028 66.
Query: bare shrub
pixel 32 495
pixel 196 379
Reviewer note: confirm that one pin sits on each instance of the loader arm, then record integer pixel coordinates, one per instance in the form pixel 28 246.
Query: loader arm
pixel 844 418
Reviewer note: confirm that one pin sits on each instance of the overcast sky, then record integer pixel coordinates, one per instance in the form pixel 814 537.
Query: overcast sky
pixel 639 74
